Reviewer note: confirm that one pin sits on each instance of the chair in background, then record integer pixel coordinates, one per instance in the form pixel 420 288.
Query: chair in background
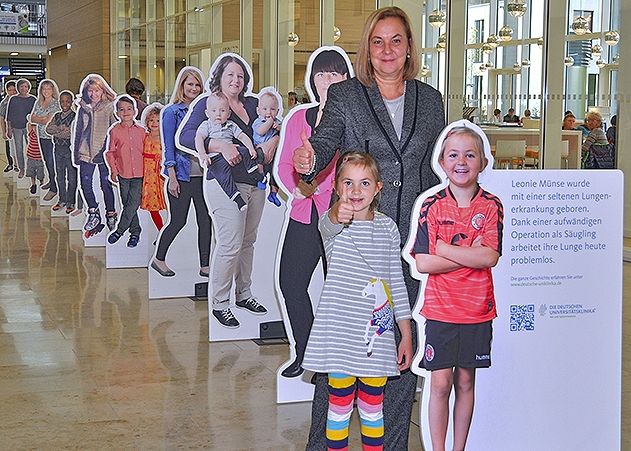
pixel 565 154
pixel 529 123
pixel 531 161
pixel 510 154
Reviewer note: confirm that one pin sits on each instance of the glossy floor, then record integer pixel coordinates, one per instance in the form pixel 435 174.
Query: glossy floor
pixel 87 362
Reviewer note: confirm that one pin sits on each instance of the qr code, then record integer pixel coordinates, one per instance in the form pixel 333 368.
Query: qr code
pixel 522 317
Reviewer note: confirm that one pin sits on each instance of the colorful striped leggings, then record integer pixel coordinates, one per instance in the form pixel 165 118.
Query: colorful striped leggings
pixel 369 404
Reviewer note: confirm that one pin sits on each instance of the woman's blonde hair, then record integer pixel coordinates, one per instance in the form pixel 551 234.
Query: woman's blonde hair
pixel 363 160
pixel 594 115
pixel 363 67
pixel 178 95
pixel 52 84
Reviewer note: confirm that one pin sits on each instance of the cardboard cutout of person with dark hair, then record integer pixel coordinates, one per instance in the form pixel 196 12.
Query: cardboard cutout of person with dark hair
pixel 301 247
pixel 231 175
pixel 59 128
pixel 18 108
pixel 455 238
pixel 124 157
pixel 95 115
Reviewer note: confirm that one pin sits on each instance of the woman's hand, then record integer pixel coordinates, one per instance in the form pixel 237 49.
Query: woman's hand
pixel 173 187
pixel 405 352
pixel 228 150
pixel 269 149
pixel 303 156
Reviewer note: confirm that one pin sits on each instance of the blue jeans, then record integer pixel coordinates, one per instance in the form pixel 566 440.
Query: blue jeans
pixel 86 173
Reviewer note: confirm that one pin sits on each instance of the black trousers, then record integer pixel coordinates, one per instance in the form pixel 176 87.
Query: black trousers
pixel 178 211
pixel 302 250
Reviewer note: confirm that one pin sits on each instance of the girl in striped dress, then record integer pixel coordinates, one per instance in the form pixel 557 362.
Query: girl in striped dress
pixel 352 337
pixel 152 183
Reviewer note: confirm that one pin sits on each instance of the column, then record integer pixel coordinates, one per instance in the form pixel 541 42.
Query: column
pixel 624 109
pixel 247 26
pixel 456 56
pixel 327 21
pixel 552 102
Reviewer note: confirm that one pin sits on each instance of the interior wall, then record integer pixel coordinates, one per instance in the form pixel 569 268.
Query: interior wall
pixel 86 25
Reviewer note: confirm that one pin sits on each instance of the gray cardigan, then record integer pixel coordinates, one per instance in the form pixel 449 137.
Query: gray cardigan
pixel 355 118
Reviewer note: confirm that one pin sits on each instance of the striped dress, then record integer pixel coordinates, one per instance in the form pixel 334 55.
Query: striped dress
pixel 356 254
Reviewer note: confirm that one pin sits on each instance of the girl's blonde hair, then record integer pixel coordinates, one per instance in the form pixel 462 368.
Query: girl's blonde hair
pixel 470 133
pixel 178 94
pixel 363 67
pixel 52 84
pixel 99 82
pixel 363 160
pixel 150 110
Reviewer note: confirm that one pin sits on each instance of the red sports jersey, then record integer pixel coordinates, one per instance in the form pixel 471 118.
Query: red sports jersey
pixel 465 295
pixel 32 149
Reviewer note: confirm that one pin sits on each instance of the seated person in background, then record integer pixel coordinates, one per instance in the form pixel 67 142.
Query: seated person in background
pixel 528 121
pixel 569 122
pixel 594 122
pixel 292 99
pixel 583 128
pixel 611 131
pixel 497 116
pixel 511 117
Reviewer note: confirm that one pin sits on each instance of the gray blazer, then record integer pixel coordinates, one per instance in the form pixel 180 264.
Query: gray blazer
pixel 356 118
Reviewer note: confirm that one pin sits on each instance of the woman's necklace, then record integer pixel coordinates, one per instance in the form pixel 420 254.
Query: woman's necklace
pixel 394 112
pixel 394 105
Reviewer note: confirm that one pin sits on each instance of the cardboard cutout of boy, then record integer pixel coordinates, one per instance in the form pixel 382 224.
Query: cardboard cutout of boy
pixel 59 128
pixel 125 160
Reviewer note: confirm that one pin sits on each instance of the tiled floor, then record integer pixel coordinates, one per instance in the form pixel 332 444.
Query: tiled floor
pixel 87 362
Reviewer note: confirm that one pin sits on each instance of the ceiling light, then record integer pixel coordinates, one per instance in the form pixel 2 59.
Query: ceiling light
pixel 579 26
pixel 516 8
pixel 493 40
pixel 506 33
pixel 337 34
pixel 436 18
pixel 612 38
pixel 293 39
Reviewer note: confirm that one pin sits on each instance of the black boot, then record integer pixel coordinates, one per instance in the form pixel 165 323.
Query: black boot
pixel 293 370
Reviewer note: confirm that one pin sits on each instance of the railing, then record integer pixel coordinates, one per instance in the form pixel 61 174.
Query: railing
pixel 20 39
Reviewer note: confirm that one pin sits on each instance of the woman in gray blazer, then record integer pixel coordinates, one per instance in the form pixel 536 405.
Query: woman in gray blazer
pixel 386 112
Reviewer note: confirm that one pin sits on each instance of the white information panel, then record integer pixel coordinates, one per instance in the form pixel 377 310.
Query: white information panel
pixel 555 379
